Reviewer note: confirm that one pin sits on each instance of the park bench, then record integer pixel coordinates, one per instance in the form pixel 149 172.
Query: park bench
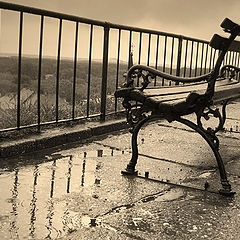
pixel 197 95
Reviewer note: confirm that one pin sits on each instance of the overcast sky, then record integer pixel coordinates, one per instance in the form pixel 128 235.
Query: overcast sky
pixel 194 18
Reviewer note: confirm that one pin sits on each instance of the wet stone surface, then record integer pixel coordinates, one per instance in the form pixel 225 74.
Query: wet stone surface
pixel 78 192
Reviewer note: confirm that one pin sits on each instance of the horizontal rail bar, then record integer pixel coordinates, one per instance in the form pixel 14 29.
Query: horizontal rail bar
pixel 49 123
pixel 37 11
pixel 155 32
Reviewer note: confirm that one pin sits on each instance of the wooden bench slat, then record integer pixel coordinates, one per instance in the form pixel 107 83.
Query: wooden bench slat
pixel 181 92
pixel 174 95
pixel 225 92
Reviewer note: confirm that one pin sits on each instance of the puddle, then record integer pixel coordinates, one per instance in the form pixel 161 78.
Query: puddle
pixel 30 206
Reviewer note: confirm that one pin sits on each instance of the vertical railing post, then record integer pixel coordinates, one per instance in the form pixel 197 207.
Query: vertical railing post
pixel 58 67
pixel 206 57
pixel 202 59
pixel 89 69
pixel 156 62
pixel 185 61
pixel 104 72
pixel 196 62
pixel 179 57
pixel 191 60
pixel 164 58
pixel 75 71
pixel 118 62
pixel 139 54
pixel 19 71
pixel 130 50
pixel 149 49
pixel 39 74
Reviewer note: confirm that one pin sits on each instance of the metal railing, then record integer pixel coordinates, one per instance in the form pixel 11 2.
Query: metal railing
pixel 176 54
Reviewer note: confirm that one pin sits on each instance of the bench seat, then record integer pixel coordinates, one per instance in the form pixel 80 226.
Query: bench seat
pixel 224 89
pixel 172 102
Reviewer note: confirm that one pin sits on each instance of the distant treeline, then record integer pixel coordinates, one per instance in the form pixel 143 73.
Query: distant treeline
pixel 29 76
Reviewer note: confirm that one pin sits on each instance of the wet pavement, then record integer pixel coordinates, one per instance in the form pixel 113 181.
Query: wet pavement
pixel 77 191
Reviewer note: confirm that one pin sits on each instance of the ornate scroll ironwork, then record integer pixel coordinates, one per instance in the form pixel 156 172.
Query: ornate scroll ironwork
pixel 135 113
pixel 139 73
pixel 229 71
pixel 209 112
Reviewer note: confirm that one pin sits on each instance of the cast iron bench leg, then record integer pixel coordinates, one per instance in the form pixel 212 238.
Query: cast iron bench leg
pixel 130 170
pixel 226 187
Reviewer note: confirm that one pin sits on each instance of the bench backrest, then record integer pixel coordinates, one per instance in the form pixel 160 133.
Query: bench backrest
pixel 223 45
pixel 217 42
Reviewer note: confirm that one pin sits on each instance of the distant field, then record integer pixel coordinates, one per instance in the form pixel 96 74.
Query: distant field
pixel 29 76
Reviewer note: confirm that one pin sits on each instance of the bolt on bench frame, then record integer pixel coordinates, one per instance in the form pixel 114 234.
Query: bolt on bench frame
pixel 138 104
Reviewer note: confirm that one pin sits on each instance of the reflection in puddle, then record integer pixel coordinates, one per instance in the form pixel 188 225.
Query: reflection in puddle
pixel 30 206
pixel 86 221
pixel 83 171
pixel 14 212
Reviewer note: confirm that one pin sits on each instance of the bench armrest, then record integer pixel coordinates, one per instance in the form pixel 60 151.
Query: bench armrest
pixel 145 72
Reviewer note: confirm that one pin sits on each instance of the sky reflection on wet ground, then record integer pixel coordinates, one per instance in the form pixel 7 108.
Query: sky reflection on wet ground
pixel 30 206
